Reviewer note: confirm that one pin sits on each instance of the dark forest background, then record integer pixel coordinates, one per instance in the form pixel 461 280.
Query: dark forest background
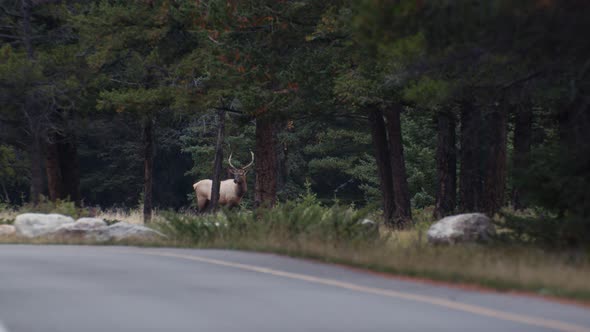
pixel 401 105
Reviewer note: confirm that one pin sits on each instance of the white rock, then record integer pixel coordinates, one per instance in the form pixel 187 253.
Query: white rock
pixel 462 228
pixel 91 222
pixel 38 224
pixel 7 230
pixel 84 229
pixel 123 231
pixel 368 222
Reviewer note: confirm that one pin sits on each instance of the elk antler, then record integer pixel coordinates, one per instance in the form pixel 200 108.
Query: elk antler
pixel 229 161
pixel 252 162
pixel 245 167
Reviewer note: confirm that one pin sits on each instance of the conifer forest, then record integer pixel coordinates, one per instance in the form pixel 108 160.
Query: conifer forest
pixel 404 108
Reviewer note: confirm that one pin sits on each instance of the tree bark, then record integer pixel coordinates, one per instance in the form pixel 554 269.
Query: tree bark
pixel 218 163
pixel 470 179
pixel 36 169
pixel 401 192
pixel 70 169
pixel 446 165
pixel 573 125
pixel 27 7
pixel 148 162
pixel 523 126
pixel 36 153
pixel 266 163
pixel 282 159
pixel 495 175
pixel 382 158
pixel 6 196
pixel 53 170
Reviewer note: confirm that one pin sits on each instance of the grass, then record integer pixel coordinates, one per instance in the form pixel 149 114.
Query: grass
pixel 305 229
pixel 501 266
pixel 132 216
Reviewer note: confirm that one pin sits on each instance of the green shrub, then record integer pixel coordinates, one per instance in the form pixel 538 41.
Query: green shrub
pixel 294 222
pixel 557 180
pixel 543 229
pixel 64 207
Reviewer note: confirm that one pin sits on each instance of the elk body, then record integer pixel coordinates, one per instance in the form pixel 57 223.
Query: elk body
pixel 231 191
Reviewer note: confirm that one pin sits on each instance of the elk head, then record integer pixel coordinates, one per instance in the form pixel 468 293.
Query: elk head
pixel 239 174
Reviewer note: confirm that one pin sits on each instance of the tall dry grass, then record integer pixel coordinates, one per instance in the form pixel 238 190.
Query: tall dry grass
pixel 306 229
pixel 499 265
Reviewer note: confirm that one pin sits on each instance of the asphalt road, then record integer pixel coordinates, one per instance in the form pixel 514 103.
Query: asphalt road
pixel 77 289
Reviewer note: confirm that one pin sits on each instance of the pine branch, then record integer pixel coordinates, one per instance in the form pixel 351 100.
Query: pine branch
pixel 2 35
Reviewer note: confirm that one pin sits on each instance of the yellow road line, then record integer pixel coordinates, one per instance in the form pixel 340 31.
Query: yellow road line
pixel 474 309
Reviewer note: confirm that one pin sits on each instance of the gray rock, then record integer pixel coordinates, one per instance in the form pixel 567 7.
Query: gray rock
pixel 92 229
pixel 462 228
pixel 92 222
pixel 38 224
pixel 7 230
pixel 125 231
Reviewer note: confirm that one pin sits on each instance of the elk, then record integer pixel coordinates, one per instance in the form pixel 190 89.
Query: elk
pixel 231 191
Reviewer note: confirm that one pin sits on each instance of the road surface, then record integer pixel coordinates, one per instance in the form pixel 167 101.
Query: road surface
pixel 78 288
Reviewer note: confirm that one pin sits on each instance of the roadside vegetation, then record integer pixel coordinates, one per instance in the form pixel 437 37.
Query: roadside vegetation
pixel 516 260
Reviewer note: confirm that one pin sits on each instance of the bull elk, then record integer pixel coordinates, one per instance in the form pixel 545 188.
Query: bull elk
pixel 231 191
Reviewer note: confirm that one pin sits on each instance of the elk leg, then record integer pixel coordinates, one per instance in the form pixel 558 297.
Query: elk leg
pixel 203 204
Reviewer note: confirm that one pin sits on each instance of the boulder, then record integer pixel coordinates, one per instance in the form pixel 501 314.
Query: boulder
pixel 125 231
pixel 93 229
pixel 91 222
pixel 370 228
pixel 38 224
pixel 7 230
pixel 462 228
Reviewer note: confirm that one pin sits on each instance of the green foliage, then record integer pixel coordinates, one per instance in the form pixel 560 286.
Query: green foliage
pixel 63 207
pixel 7 163
pixel 419 149
pixel 543 229
pixel 13 179
pixel 341 164
pixel 293 221
pixel 428 93
pixel 309 198
pixel 558 181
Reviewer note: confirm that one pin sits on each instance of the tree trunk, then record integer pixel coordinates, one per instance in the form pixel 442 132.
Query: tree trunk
pixel 26 8
pixel 148 162
pixel 523 126
pixel 266 163
pixel 6 196
pixel 36 169
pixel 446 166
pixel 282 160
pixel 495 174
pixel 573 126
pixel 382 155
pixel 401 192
pixel 53 170
pixel 36 153
pixel 70 169
pixel 470 179
pixel 217 168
